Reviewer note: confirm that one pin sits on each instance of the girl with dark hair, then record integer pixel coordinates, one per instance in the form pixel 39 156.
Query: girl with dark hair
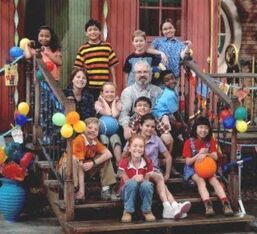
pixel 135 170
pixel 200 145
pixel 48 42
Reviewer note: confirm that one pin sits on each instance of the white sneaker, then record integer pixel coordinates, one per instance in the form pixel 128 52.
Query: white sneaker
pixel 171 213
pixel 184 215
pixel 185 206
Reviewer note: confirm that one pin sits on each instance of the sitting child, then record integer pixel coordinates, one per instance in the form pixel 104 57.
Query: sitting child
pixel 109 104
pixel 90 156
pixel 143 106
pixel 135 170
pixel 195 149
pixel 154 148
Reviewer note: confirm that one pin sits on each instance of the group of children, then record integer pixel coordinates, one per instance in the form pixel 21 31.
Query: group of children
pixel 139 165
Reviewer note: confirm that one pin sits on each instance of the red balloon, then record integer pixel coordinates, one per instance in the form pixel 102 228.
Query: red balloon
pixel 50 66
pixel 225 113
pixel 13 171
pixel 26 160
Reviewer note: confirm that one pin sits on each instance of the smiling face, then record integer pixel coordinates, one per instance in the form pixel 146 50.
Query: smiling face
pixel 202 131
pixel 168 30
pixel 137 148
pixel 142 108
pixel 93 33
pixel 109 93
pixel 142 74
pixel 169 81
pixel 148 128
pixel 92 131
pixel 79 81
pixel 139 44
pixel 44 37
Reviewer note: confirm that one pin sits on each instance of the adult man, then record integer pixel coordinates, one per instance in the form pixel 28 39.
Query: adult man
pixel 141 87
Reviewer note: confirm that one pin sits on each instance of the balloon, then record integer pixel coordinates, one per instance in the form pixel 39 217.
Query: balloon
pixel 58 119
pixel 241 126
pixel 240 113
pixel 3 156
pixel 23 42
pixel 13 171
pixel 50 66
pixel 39 75
pixel 206 167
pixel 80 126
pixel 72 117
pixel 225 113
pixel 21 120
pixel 13 151
pixel 229 122
pixel 26 160
pixel 23 108
pixel 16 52
pixel 66 131
pixel 108 125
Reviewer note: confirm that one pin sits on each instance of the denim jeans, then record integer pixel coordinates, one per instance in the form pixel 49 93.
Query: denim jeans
pixel 129 194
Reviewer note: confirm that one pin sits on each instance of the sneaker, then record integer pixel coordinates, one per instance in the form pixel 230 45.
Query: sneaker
pixel 126 217
pixel 176 210
pixel 183 216
pixel 168 213
pixel 149 217
pixel 108 195
pixel 227 210
pixel 185 206
pixel 209 209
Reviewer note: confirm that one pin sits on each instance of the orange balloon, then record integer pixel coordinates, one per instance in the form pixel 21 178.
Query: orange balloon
pixel 72 117
pixel 206 167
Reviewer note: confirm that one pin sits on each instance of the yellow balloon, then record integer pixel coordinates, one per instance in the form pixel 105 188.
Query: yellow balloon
pixel 23 108
pixel 3 156
pixel 66 130
pixel 80 126
pixel 241 126
pixel 24 41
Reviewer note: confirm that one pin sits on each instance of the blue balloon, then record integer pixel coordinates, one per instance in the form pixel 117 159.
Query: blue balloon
pixel 108 125
pixel 16 52
pixel 21 120
pixel 229 122
pixel 14 151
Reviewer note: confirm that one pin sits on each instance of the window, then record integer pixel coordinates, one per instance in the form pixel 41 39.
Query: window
pixel 153 12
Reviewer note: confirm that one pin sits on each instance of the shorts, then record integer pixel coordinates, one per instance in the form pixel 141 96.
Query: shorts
pixel 113 140
pixel 188 172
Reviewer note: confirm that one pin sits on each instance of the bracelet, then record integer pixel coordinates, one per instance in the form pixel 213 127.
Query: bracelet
pixel 94 162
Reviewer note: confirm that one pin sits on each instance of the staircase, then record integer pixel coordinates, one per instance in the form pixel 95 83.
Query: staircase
pixel 96 216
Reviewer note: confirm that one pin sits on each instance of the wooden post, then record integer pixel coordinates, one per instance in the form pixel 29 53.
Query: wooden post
pixel 233 176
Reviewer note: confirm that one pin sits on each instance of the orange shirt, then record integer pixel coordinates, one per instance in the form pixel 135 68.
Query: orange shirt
pixel 83 150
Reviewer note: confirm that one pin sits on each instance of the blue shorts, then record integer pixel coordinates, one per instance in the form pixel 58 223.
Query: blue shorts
pixel 188 172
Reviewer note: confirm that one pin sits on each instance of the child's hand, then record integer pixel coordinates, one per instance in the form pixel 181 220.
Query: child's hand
pixel 117 98
pixel 100 98
pixel 204 151
pixel 166 177
pixel 127 132
pixel 138 177
pixel 87 166
pixel 200 157
pixel 164 58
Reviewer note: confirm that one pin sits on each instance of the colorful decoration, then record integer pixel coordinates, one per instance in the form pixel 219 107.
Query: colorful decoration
pixel 229 122
pixel 13 171
pixel 224 114
pixel 108 125
pixel 72 117
pixel 3 156
pixel 59 119
pixel 79 127
pixel 17 135
pixel 240 113
pixel 26 160
pixel 50 66
pixel 24 41
pixel 16 52
pixel 21 120
pixel 11 74
pixel 39 75
pixel 23 108
pixel 206 167
pixel 13 151
pixel 241 126
pixel 66 130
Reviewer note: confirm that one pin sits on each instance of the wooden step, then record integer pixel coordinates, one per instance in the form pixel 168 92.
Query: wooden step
pixel 115 224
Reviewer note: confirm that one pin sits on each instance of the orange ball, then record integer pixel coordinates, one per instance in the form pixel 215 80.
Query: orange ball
pixel 206 167
pixel 72 117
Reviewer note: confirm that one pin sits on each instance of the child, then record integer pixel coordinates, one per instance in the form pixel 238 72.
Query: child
pixel 135 171
pixel 91 156
pixel 48 42
pixel 109 104
pixel 139 43
pixel 154 148
pixel 143 106
pixel 170 48
pixel 166 105
pixel 97 57
pixel 78 92
pixel 195 149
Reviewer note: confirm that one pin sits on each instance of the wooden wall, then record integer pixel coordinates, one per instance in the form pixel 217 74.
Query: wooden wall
pixel 7 30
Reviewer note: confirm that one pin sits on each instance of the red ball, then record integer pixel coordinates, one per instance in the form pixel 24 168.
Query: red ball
pixel 224 114
pixel 206 167
pixel 50 66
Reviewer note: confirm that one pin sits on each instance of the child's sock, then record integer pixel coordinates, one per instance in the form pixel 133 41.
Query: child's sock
pixel 105 188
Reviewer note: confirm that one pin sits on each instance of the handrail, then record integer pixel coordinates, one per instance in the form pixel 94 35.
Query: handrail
pixel 234 75
pixel 208 80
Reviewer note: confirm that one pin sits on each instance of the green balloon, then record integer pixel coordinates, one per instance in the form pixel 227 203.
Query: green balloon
pixel 39 75
pixel 59 119
pixel 240 113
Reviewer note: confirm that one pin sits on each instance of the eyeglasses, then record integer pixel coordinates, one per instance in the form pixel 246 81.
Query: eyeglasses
pixel 141 72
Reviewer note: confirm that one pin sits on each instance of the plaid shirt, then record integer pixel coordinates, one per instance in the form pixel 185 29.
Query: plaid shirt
pixel 135 120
